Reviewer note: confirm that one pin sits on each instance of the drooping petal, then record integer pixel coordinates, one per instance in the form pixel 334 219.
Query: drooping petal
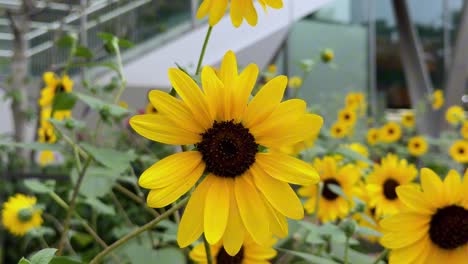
pixel 166 171
pixel 286 168
pixel 161 129
pixel 236 12
pixel 277 4
pixel 249 12
pixel 216 209
pixel 235 231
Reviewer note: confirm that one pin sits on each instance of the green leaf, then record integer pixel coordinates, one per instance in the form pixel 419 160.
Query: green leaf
pixel 84 52
pixel 337 190
pixel 367 231
pixel 63 101
pixel 82 239
pixel 100 207
pixel 32 146
pixel 64 260
pixel 66 41
pixel 24 261
pixel 111 158
pixel 353 255
pixel 97 183
pixel 309 257
pixel 107 37
pixel 125 43
pixel 170 255
pixel 353 155
pixel 37 186
pixel 44 256
pixel 97 105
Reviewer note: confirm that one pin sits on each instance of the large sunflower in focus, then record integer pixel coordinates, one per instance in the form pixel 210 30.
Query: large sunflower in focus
pixel 434 227
pixel 245 190
pixel 383 181
pixel 240 10
pixel 331 205
pixel 19 214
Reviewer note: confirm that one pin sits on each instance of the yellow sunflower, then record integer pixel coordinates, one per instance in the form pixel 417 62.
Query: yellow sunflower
pixel 240 10
pixel 372 136
pixel 327 55
pixel 250 253
pixel 383 181
pixel 295 82
pixel 417 146
pixel 331 205
pixel 46 134
pixel 368 217
pixel 455 115
pixel 434 227
pixel 362 150
pixel 390 132
pixel 464 130
pixel 53 86
pixel 245 190
pixel 46 157
pixel 150 109
pixel 347 117
pixel 19 214
pixel 459 151
pixel 357 102
pixel 407 119
pixel 437 99
pixel 46 113
pixel 339 130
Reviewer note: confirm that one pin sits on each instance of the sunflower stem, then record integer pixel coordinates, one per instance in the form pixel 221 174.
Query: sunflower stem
pixel 202 54
pixel 381 256
pixel 135 233
pixel 345 259
pixel 317 201
pixel 209 258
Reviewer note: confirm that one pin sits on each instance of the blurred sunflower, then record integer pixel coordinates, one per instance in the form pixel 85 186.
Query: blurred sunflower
pixel 459 151
pixel 356 102
pixel 362 150
pixel 367 218
pixel 372 136
pixel 407 119
pixel 390 132
pixel 327 55
pixel 437 99
pixel 46 134
pixel 150 109
pixel 250 253
pixel 339 130
pixel 19 214
pixel 455 115
pixel 434 227
pixel 272 68
pixel 54 85
pixel 331 205
pixel 46 157
pixel 295 82
pixel 417 146
pixel 240 10
pixel 347 117
pixel 383 181
pixel 464 130
pixel 245 191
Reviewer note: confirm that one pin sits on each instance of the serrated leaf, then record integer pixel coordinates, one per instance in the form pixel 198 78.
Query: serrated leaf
pixel 309 257
pixel 353 255
pixel 111 158
pixel 44 256
pixel 39 187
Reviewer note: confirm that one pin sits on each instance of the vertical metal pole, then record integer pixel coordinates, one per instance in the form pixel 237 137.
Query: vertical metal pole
pixel 193 6
pixel 446 36
pixel 83 31
pixel 372 60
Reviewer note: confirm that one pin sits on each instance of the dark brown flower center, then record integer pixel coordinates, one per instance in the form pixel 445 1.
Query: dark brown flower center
pixel 228 149
pixel 461 151
pixel 416 145
pixel 391 131
pixel 347 116
pixel 448 228
pixel 389 189
pixel 327 193
pixel 60 88
pixel 224 258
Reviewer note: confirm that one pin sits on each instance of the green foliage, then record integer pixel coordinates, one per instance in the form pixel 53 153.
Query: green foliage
pixel 42 257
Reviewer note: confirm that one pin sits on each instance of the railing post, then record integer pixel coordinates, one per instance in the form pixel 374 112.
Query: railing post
pixel 193 6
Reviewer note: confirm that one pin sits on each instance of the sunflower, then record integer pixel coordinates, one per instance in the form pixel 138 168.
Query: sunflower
pixel 46 134
pixel 240 10
pixel 19 214
pixel 464 130
pixel 459 151
pixel 434 228
pixel 327 55
pixel 407 119
pixel 347 117
pixel 54 85
pixel 46 157
pixel 362 150
pixel 367 218
pixel 383 181
pixel 356 101
pixel 339 130
pixel 390 132
pixel 331 205
pixel 417 146
pixel 150 109
pixel 372 136
pixel 246 189
pixel 46 114
pixel 295 82
pixel 272 69
pixel 437 99
pixel 455 115
pixel 250 253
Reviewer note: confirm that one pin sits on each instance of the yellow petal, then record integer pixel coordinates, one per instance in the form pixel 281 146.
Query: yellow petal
pixel 414 199
pixel 193 97
pixel 191 224
pixel 217 11
pixel 167 171
pixel 453 187
pixel 161 129
pixel 216 209
pixel 250 13
pixel 265 101
pixel 204 8
pixel 277 222
pixel 409 254
pixel 433 187
pixel 278 193
pixel 277 4
pixel 241 93
pixel 158 198
pixel 412 222
pixel 214 89
pixel 234 234
pixel 175 110
pixel 236 12
pixel 251 209
pixel 228 75
pixel 286 168
pixel 394 240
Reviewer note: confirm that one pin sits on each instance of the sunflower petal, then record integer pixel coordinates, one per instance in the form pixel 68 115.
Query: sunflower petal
pixel 234 234
pixel 433 187
pixel 241 93
pixel 249 12
pixel 216 209
pixel 414 199
pixel 214 89
pixel 453 187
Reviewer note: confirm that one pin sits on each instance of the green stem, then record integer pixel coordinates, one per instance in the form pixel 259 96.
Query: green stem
pixel 317 202
pixel 70 56
pixel 346 250
pixel 202 54
pixel 128 237
pixel 381 256
pixel 209 258
pixel 123 81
